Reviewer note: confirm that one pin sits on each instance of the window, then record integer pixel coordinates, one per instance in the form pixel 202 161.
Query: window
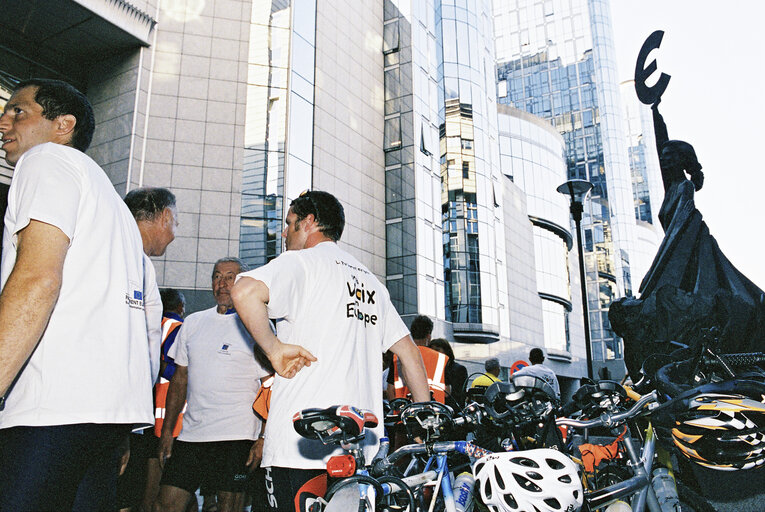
pixel 391 37
pixel 392 133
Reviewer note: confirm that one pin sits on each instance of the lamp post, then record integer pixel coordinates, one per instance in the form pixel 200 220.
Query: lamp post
pixel 577 190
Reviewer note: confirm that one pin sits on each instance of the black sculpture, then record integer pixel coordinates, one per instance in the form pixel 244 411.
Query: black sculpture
pixel 691 285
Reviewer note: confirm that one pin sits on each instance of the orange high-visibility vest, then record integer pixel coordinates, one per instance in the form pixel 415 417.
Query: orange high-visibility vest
pixel 435 366
pixel 169 325
pixel 262 403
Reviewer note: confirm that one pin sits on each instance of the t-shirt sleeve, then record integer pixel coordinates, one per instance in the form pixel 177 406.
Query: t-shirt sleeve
pixel 284 277
pixel 48 190
pixel 152 303
pixel 395 328
pixel 179 352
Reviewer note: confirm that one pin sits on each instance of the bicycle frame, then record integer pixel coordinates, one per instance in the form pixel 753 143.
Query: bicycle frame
pixel 436 471
pixel 641 463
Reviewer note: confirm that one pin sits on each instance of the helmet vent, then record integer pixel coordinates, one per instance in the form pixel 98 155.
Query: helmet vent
pixel 553 503
pixel 566 479
pixel 526 483
pixel 510 500
pixel 534 475
pixel 487 489
pixel 524 461
pixel 498 477
pixel 554 464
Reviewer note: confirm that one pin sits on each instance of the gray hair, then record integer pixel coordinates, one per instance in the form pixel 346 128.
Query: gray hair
pixel 243 267
pixel 147 203
pixel 492 365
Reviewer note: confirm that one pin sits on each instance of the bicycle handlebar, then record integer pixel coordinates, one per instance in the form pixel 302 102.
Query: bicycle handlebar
pixel 736 360
pixel 381 466
pixel 607 419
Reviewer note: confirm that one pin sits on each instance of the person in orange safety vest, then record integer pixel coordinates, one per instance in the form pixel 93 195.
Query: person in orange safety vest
pixel 435 363
pixel 174 305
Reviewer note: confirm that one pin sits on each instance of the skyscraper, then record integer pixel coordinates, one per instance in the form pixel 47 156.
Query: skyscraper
pixel 556 60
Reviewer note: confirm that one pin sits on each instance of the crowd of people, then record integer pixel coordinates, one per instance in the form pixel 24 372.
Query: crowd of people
pixel 112 400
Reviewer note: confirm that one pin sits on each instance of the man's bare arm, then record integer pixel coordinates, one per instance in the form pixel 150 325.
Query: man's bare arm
pixel 412 368
pixel 30 294
pixel 250 300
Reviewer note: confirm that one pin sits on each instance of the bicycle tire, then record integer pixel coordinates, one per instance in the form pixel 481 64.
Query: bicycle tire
pixel 404 488
pixel 691 501
pixel 356 479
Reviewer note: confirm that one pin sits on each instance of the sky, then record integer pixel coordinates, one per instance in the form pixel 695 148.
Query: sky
pixel 714 52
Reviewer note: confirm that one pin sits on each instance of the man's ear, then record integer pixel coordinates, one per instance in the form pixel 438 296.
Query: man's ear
pixel 65 127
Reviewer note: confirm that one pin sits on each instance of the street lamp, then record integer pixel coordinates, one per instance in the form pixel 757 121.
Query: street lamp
pixel 577 190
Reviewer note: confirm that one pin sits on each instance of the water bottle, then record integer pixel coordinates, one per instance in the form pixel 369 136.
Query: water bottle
pixel 618 506
pixel 666 490
pixel 463 492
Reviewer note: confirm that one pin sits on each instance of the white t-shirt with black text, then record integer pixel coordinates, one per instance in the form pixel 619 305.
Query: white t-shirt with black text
pixel 224 378
pixel 326 301
pixel 92 362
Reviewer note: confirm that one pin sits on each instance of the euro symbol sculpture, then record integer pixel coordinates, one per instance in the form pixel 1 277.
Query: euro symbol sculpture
pixel 649 95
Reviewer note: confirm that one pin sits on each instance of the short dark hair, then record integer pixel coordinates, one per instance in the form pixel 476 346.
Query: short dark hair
pixel 172 300
pixel 326 209
pixel 147 203
pixel 444 345
pixel 422 326
pixel 243 267
pixel 492 365
pixel 59 98
pixel 536 356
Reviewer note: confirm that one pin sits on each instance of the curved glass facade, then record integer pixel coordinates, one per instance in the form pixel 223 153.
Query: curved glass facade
pixel 467 130
pixel 531 152
pixel 555 60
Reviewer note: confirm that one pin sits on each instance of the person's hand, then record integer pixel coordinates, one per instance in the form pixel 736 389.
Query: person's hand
pixel 288 359
pixel 165 448
pixel 256 455
pixel 125 457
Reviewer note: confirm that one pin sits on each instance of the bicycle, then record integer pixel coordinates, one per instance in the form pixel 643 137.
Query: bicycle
pixel 357 489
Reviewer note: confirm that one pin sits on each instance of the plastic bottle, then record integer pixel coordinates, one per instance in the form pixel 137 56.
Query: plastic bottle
pixel 666 490
pixel 463 492
pixel 618 506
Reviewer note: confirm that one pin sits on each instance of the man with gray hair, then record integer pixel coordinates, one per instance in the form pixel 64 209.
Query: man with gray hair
pixel 154 211
pixel 491 375
pixel 218 375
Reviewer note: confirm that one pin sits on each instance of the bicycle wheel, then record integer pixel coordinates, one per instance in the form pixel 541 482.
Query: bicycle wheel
pixel 402 500
pixel 691 501
pixel 346 495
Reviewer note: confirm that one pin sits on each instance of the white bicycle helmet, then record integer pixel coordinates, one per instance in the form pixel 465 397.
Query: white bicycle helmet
pixel 540 480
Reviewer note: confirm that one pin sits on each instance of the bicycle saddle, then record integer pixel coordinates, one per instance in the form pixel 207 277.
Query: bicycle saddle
pixel 427 420
pixel 336 424
pixel 600 396
pixel 534 385
pixel 498 395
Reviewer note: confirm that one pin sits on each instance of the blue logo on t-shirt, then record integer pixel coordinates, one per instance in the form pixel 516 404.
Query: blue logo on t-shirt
pixel 137 295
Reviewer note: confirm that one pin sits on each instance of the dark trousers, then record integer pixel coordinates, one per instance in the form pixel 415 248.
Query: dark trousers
pixel 62 467
pixel 294 490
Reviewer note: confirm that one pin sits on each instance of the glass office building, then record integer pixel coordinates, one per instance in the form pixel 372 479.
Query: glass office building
pixel 531 153
pixel 648 191
pixel 556 60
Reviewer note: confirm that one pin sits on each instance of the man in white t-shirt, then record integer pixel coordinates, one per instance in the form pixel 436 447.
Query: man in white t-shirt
pixel 328 305
pixel 218 375
pixel 74 355
pixel 537 369
pixel 156 215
